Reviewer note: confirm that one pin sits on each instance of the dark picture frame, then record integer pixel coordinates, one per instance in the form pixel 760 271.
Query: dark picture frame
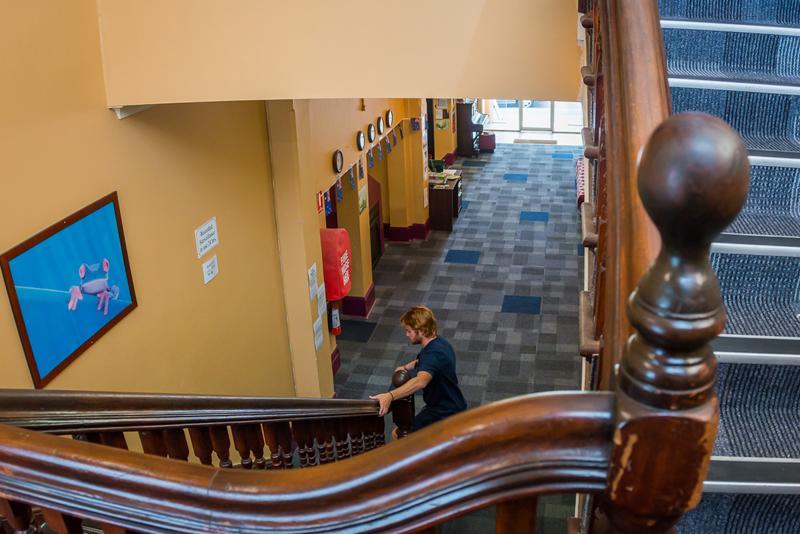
pixel 58 322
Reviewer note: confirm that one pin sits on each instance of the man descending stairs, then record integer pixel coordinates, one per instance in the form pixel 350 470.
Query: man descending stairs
pixel 740 60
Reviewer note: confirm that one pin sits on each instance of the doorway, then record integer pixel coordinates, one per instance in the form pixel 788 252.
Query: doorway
pixel 534 115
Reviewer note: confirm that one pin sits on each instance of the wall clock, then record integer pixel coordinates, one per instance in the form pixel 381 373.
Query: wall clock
pixel 389 118
pixel 360 141
pixel 338 161
pixel 380 125
pixel 371 132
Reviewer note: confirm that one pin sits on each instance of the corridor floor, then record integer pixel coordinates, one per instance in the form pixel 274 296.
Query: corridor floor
pixel 504 286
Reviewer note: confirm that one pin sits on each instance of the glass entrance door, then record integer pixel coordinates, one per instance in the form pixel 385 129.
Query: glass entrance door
pixel 535 115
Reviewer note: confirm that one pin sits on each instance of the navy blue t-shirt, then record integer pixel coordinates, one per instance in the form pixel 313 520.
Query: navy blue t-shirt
pixel 441 395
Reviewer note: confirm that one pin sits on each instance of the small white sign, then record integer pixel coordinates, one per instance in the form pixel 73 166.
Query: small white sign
pixel 322 304
pixel 210 269
pixel 363 197
pixel 425 196
pixel 312 281
pixel 318 337
pixel 345 265
pixel 206 237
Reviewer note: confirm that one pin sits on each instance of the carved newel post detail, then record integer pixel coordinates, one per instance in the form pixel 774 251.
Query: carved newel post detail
pixel 402 409
pixel 693 180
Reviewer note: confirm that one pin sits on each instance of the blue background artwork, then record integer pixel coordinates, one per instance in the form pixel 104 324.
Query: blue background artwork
pixel 44 274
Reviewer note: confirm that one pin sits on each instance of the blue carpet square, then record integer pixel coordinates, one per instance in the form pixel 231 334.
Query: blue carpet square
pixel 534 216
pixel 515 177
pixel 463 256
pixel 464 204
pixel 359 331
pixel 473 163
pixel 517 304
pixel 562 155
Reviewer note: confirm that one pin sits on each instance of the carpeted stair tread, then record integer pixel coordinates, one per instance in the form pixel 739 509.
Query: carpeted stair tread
pixel 733 56
pixel 762 12
pixel 761 293
pixel 766 121
pixel 730 513
pixel 756 412
pixel 773 204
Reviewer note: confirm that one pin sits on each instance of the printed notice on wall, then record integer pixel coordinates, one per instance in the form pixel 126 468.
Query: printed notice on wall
pixel 210 269
pixel 363 196
pixel 318 338
pixel 322 304
pixel 425 196
pixel 312 281
pixel 206 237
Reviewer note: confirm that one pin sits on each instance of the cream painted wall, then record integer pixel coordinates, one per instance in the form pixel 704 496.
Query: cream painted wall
pixel 174 167
pixel 158 51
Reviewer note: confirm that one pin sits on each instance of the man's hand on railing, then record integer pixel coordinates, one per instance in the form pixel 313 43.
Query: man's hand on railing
pixel 384 400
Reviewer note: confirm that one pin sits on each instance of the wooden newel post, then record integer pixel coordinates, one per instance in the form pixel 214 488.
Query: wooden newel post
pixel 693 180
pixel 402 409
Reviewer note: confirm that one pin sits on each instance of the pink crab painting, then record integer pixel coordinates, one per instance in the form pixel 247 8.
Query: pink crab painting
pixel 93 282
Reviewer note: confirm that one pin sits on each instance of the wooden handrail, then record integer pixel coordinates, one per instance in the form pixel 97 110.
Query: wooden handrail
pixel 68 412
pixel 526 446
pixel 636 100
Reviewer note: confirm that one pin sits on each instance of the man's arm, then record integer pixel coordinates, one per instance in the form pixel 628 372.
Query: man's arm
pixel 407 367
pixel 409 388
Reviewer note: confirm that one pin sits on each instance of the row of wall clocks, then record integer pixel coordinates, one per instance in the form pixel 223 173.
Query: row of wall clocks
pixel 338 157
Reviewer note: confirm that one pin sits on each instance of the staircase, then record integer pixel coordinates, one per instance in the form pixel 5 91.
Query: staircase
pixel 740 60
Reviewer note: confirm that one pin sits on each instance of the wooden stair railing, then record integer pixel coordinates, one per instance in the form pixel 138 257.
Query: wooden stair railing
pixel 320 430
pixel 505 452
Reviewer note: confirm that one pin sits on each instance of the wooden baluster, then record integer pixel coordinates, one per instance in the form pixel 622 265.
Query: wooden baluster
pixel 340 438
pixel 356 435
pixel 153 442
pixel 240 442
pixel 221 443
pixel 402 409
pixel 17 514
pixel 369 432
pixel 114 439
pixel 201 443
pixel 693 180
pixel 175 440
pixel 62 523
pixel 89 437
pixel 305 443
pixel 279 440
pixel 255 440
pixel 516 517
pixel 323 431
pixel 379 430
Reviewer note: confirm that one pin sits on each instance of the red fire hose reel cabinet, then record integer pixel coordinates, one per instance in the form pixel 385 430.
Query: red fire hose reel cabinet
pixel 336 269
pixel 336 262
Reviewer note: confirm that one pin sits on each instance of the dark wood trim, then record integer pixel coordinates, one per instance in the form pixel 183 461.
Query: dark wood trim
pixel 420 231
pixel 69 412
pixel 336 361
pixel 40 381
pixel 359 306
pixel 522 447
pixel 398 234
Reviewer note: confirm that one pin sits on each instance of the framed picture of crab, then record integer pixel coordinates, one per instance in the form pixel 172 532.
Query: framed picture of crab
pixel 68 285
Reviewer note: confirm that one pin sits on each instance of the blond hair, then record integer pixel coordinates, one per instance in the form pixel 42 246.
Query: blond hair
pixel 420 318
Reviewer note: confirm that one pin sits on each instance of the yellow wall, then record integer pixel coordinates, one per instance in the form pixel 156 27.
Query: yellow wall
pixel 174 168
pixel 213 50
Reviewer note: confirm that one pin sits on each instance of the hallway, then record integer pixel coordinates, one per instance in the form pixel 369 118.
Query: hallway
pixel 503 285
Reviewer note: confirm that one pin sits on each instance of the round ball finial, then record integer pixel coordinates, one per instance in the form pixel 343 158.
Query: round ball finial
pixel 400 377
pixel 693 177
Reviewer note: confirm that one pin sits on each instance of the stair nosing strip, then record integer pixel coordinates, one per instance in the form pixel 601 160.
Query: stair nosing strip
pixel 728 85
pixel 792 251
pixel 757 358
pixel 773 467
pixel 680 24
pixel 773 161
